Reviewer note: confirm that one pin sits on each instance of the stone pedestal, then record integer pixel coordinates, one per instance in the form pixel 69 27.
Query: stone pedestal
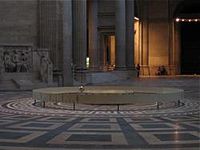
pixel 110 76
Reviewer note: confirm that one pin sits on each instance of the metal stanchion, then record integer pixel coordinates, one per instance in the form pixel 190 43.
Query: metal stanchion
pixel 179 103
pixel 43 104
pixel 157 105
pixel 117 107
pixel 74 106
pixel 34 102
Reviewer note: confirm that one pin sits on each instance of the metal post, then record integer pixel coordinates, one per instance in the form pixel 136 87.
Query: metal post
pixel 117 107
pixel 74 106
pixel 157 105
pixel 179 103
pixel 43 104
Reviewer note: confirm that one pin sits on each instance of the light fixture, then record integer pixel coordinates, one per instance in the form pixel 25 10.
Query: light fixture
pixel 177 19
pixel 187 20
pixel 87 62
pixel 136 18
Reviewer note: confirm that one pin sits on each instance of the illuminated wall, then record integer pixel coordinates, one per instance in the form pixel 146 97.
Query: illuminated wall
pixel 137 56
pixel 159 43
pixel 112 50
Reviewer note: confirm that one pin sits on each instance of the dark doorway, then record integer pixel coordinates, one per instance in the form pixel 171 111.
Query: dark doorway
pixel 109 51
pixel 190 48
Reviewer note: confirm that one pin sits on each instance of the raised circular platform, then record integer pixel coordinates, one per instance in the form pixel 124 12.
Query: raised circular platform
pixel 110 95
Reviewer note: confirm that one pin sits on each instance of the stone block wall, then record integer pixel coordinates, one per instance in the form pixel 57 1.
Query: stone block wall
pixel 18 22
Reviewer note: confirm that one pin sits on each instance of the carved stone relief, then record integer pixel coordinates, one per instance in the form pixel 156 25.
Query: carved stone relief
pixel 1 61
pixel 16 59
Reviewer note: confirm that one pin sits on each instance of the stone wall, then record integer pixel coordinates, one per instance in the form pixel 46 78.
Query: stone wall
pixel 106 13
pixel 18 23
pixel 158 47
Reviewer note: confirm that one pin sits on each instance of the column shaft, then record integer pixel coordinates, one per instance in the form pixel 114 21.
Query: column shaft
pixel 93 37
pixel 67 42
pixel 120 33
pixel 80 32
pixel 130 33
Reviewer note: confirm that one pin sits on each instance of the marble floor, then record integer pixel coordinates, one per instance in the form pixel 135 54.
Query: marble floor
pixel 25 126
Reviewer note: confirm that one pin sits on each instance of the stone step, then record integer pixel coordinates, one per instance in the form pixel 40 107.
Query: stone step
pixel 9 81
pixel 16 76
pixel 8 85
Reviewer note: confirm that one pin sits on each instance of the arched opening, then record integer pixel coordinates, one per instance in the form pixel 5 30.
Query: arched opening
pixel 188 19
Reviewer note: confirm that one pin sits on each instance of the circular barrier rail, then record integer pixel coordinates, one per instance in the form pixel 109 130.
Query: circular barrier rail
pixel 108 95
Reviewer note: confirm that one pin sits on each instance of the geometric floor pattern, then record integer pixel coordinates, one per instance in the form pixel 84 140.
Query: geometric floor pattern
pixel 40 132
pixel 49 129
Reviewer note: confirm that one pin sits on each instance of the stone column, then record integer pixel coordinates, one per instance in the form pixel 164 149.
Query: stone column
pixel 120 33
pixel 67 43
pixel 144 25
pixel 49 35
pixel 93 36
pixel 177 48
pixel 79 33
pixel 129 34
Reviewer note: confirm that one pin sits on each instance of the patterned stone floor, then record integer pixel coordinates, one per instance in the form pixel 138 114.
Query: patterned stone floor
pixel 24 126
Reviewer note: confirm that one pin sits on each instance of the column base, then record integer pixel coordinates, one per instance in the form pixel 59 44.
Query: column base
pixel 107 77
pixel 120 68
